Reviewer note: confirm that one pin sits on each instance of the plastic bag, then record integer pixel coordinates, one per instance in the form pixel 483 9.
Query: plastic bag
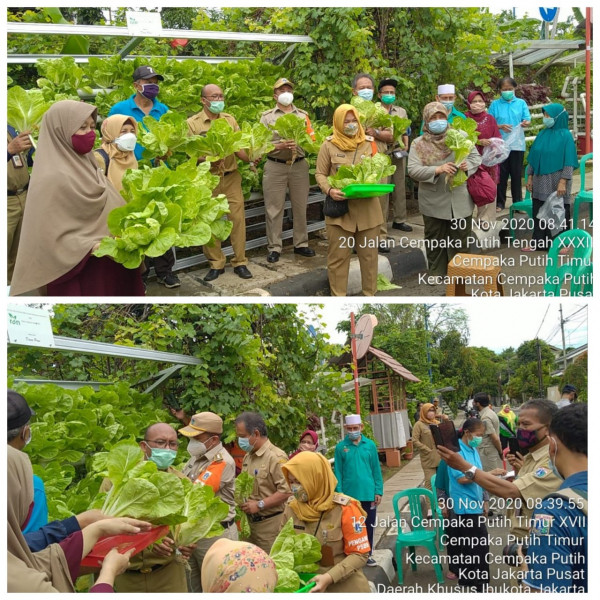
pixel 496 153
pixel 515 138
pixel 481 187
pixel 552 214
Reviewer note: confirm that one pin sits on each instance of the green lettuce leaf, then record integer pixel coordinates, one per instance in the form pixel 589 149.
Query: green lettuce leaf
pixel 371 114
pixel 244 484
pixel 219 142
pixel 258 139
pixel 293 128
pixel 384 284
pixel 370 170
pixel 400 126
pixel 458 141
pixel 164 137
pixel 25 108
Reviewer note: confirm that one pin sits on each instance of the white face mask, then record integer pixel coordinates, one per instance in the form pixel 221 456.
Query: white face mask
pixel 126 142
pixel 285 99
pixel 196 448
pixel 29 438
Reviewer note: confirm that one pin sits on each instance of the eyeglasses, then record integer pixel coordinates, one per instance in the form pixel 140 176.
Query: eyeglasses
pixel 164 444
pixel 215 97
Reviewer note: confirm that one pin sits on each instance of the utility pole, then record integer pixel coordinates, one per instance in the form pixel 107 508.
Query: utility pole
pixel 430 371
pixel 540 376
pixel 562 330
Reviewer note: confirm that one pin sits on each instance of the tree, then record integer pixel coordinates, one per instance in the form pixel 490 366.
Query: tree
pixel 577 374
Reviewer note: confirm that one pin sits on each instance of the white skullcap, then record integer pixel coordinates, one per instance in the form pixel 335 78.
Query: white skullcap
pixel 353 420
pixel 446 88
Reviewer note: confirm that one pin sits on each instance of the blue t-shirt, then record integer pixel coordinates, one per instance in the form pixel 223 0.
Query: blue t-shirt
pixel 557 553
pixel 467 498
pixel 511 113
pixel 39 514
pixel 130 108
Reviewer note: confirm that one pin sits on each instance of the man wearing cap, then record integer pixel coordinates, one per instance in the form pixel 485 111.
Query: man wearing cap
pixel 447 96
pixel 387 95
pixel 142 104
pixel 569 395
pixel 230 184
pixel 282 174
pixel 271 491
pixel 439 413
pixel 358 472
pixel 210 464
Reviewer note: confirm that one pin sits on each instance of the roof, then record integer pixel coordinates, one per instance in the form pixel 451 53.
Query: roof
pixel 393 364
pixel 531 52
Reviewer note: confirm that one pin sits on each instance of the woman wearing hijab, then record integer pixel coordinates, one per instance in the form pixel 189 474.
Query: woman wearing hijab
pixel 487 128
pixel 116 154
pixel 55 568
pixel 446 211
pixel 551 160
pixel 237 567
pixel 68 204
pixel 336 520
pixel 423 440
pixel 508 425
pixel 359 227
pixel 309 442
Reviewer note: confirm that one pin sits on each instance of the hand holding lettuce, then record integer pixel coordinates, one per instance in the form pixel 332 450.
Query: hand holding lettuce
pixel 371 114
pixel 25 109
pixel 244 484
pixel 370 170
pixel 461 146
pixel 293 128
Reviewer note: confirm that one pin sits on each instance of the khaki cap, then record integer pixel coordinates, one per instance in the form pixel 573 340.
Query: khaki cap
pixel 282 81
pixel 204 421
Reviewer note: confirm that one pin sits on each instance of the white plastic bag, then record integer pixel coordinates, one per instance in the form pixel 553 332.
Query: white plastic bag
pixel 552 214
pixel 515 138
pixel 496 153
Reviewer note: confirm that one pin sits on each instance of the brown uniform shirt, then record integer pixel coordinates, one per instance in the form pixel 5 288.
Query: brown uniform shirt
pixel 423 440
pixel 265 466
pixel 269 117
pixel 492 425
pixel 200 123
pixel 17 177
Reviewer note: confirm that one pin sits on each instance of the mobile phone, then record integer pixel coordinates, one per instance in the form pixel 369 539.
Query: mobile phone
pixel 513 446
pixel 445 435
pixel 171 401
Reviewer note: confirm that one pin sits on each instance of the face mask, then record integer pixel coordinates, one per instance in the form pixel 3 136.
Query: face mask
pixel 553 461
pixel 163 458
pixel 29 438
pixel 354 435
pixel 366 94
pixel 477 107
pixel 150 90
pixel 286 98
pixel 508 95
pixel 197 448
pixel 448 105
pixel 216 106
pixel 438 126
pixel 299 492
pixel 475 441
pixel 82 144
pixel 388 98
pixel 527 438
pixel 126 142
pixel 351 129
pixel 244 444
pixel 549 121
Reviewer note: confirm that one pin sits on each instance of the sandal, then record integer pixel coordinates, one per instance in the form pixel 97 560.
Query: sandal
pixel 451 575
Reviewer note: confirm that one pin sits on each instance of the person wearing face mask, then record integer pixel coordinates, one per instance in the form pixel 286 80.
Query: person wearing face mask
pixel 66 215
pixel 309 442
pixel 359 227
pixel 336 520
pixel 282 175
pixel 271 491
pixel 446 95
pixel 358 472
pixel 557 551
pixel 230 184
pixel 551 161
pixel 446 211
pixel 512 114
pixel 209 464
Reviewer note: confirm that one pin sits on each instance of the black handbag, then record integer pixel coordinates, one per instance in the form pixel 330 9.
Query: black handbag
pixel 334 208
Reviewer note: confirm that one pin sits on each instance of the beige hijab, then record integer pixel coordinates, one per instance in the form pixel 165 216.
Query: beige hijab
pixel 45 571
pixel 237 567
pixel 430 148
pixel 67 203
pixel 120 161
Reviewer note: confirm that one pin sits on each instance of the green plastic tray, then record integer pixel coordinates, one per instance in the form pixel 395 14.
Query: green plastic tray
pixel 304 577
pixel 367 190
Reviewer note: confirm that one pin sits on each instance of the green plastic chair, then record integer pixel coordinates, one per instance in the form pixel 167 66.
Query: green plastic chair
pixel 557 272
pixel 525 205
pixel 438 514
pixel 419 536
pixel 583 195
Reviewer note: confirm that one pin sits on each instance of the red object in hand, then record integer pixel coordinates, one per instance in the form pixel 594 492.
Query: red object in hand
pixel 123 543
pixel 178 42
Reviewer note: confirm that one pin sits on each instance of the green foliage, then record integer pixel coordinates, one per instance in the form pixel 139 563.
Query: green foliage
pixel 577 374
pixel 400 126
pixel 166 137
pixel 25 108
pixel 371 169
pixel 244 484
pixel 219 142
pixel 257 138
pixel 384 284
pixel 461 145
pixel 293 128
pixel 371 114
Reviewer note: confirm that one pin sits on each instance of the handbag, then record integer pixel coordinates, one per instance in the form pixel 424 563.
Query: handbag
pixel 481 187
pixel 335 208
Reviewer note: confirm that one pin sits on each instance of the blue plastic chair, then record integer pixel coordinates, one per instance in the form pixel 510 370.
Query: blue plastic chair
pixel 573 266
pixel 419 536
pixel 525 205
pixel 583 195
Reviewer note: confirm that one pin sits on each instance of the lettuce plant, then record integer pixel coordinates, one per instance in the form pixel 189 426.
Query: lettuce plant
pixel 370 170
pixel 244 484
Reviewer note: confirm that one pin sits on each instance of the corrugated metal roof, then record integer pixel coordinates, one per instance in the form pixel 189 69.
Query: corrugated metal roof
pixel 534 51
pixel 393 364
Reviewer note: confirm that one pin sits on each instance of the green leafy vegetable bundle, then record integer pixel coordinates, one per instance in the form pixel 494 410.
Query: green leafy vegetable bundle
pixel 258 140
pixel 371 170
pixel 371 114
pixel 293 128
pixel 25 108
pixel 461 146
pixel 400 125
pixel 244 484
pixel 294 553
pixel 219 142
pixel 165 208
pixel 166 137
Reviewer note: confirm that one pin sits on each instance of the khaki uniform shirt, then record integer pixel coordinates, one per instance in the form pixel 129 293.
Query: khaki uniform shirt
pixel 264 465
pixel 535 481
pixel 217 469
pixel 423 440
pixel 17 177
pixel 200 123
pixel 269 117
pixel 492 425
pixel 363 213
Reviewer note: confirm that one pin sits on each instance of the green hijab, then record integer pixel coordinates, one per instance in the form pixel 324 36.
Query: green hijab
pixel 553 149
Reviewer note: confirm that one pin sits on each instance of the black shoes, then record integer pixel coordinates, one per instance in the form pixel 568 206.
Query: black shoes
pixel 170 280
pixel 402 226
pixel 273 257
pixel 384 248
pixel 213 274
pixel 304 251
pixel 243 272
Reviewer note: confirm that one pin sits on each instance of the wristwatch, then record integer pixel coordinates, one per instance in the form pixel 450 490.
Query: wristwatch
pixel 261 504
pixel 470 473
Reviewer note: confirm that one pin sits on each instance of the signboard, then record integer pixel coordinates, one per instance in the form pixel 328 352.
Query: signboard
pixel 29 326
pixel 143 24
pixel 548 14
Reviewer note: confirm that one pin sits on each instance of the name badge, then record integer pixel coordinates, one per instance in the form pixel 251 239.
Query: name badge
pixel 17 162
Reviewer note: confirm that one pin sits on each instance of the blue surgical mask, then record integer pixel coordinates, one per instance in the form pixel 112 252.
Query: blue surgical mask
pixel 448 105
pixel 553 462
pixel 244 444
pixel 216 106
pixel 475 441
pixel 366 94
pixel 354 435
pixel 507 95
pixel 548 122
pixel 163 458
pixel 438 126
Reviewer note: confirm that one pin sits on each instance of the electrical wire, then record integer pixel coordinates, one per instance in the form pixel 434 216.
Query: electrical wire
pixel 538 331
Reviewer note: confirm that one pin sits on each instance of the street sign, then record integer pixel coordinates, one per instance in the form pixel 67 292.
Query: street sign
pixel 548 14
pixel 29 326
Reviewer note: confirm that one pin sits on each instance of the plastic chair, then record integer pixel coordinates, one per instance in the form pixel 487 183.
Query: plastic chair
pixel 570 268
pixel 419 536
pixel 437 514
pixel 583 195
pixel 525 205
